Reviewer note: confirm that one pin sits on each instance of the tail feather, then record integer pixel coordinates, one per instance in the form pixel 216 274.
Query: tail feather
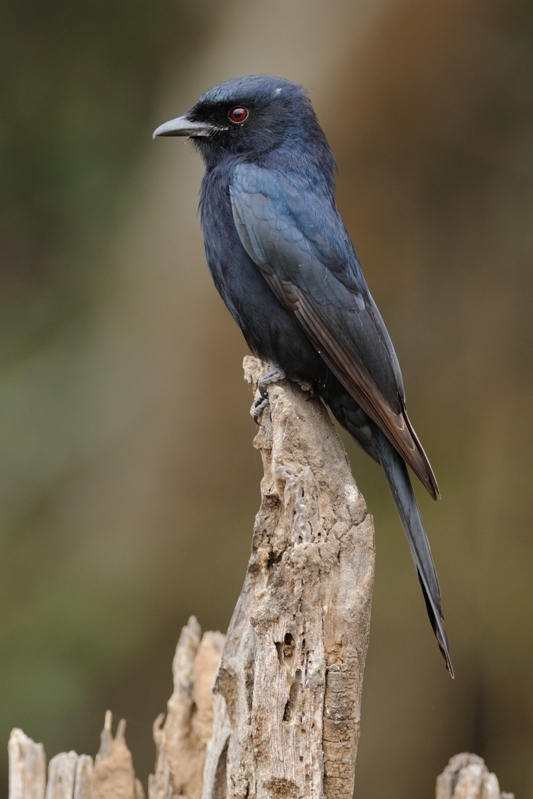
pixel 376 444
pixel 402 492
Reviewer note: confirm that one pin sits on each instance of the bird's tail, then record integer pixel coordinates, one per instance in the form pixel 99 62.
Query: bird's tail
pixel 377 445
pixel 404 498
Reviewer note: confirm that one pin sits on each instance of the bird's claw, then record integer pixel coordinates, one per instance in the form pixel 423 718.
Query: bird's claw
pixel 259 406
pixel 272 376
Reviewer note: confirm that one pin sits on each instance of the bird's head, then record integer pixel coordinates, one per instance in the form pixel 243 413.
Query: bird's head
pixel 249 116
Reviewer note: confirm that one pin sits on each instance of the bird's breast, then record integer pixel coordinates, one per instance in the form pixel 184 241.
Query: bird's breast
pixel 269 328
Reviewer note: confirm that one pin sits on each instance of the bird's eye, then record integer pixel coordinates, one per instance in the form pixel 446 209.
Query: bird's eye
pixel 238 114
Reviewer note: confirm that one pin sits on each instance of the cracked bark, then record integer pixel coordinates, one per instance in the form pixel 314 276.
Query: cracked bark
pixel 291 671
pixel 282 719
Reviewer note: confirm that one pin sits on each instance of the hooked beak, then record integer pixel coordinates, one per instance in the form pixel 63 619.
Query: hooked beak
pixel 182 126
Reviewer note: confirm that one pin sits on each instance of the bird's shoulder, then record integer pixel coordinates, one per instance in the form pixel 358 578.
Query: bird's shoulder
pixel 295 235
pixel 293 210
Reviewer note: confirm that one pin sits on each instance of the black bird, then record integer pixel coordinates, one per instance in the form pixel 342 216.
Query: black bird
pixel 284 265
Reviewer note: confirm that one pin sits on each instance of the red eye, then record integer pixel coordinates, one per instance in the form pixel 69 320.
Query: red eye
pixel 238 114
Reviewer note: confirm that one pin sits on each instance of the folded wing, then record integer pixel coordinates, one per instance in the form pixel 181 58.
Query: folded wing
pixel 301 247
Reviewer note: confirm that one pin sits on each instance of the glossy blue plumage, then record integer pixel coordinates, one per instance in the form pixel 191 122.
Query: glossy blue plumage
pixel 286 269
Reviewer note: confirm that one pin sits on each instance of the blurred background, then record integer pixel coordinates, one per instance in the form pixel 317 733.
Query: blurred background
pixel 129 483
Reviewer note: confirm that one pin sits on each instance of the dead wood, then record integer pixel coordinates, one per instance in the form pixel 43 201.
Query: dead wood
pixel 467 777
pixel 272 711
pixel 291 671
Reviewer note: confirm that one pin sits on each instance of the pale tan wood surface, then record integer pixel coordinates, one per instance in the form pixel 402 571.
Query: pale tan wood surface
pixel 292 668
pixel 272 710
pixel 467 777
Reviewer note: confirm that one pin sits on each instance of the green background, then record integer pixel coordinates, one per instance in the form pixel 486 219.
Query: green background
pixel 129 483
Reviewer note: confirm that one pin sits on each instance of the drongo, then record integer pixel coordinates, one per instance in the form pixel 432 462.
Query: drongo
pixel 284 265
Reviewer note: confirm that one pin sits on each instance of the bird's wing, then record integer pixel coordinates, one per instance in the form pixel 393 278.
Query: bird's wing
pixel 299 243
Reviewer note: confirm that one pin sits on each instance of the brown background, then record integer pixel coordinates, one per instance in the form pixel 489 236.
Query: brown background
pixel 129 483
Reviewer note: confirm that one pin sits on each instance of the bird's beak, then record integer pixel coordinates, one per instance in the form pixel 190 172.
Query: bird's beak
pixel 182 126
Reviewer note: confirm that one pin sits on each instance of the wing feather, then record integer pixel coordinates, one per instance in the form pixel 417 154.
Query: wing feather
pixel 306 257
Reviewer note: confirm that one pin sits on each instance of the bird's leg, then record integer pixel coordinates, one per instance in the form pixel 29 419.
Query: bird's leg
pixel 272 376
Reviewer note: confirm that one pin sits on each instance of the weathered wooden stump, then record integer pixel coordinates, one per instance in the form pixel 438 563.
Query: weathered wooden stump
pixel 272 710
pixel 291 671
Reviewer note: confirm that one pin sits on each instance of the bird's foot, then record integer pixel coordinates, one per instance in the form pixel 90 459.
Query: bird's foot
pixel 272 376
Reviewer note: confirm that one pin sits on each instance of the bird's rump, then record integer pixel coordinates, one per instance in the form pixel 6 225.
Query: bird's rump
pixel 305 255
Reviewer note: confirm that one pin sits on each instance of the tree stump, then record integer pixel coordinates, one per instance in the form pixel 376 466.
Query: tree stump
pixel 291 670
pixel 467 777
pixel 282 719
